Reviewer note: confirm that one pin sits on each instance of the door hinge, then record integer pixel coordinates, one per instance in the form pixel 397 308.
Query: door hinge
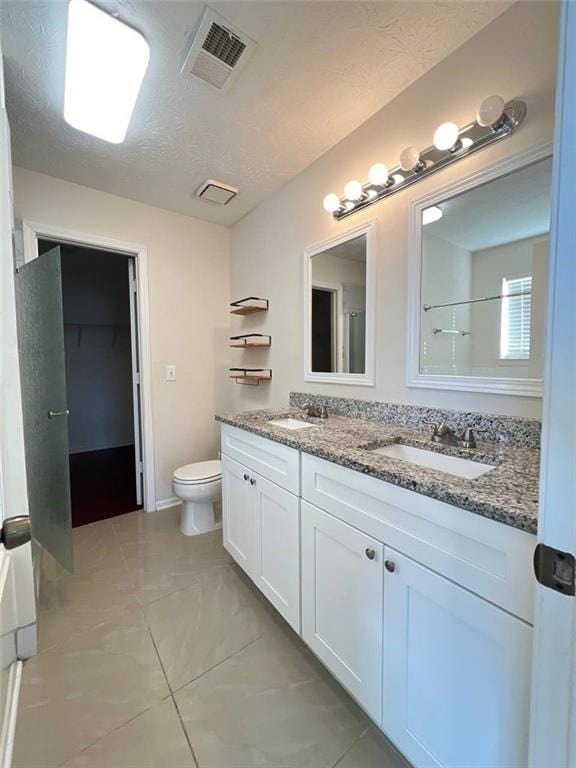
pixel 555 569
pixel 140 468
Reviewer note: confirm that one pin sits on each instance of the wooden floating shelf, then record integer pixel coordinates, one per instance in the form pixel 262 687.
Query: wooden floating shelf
pixel 253 340
pixel 251 376
pixel 249 306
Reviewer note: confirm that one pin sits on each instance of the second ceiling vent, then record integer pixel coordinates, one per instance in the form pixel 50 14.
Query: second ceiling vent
pixel 218 51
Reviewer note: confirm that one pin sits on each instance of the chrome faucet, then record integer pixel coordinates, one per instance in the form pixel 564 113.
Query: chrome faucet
pixel 316 411
pixel 441 433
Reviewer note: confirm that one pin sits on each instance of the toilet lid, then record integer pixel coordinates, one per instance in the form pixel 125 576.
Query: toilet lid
pixel 200 471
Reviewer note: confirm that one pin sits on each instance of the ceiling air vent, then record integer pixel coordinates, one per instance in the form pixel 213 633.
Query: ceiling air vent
pixel 216 192
pixel 218 51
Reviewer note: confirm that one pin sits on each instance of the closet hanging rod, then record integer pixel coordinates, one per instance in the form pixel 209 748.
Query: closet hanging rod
pixel 426 307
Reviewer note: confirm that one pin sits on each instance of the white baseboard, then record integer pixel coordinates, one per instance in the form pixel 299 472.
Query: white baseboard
pixel 27 641
pixel 167 503
pixel 9 723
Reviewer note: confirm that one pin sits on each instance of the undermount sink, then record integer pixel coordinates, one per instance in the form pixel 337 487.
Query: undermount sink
pixel 290 423
pixel 453 465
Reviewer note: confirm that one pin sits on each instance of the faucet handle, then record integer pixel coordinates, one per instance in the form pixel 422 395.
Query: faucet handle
pixel 468 438
pixel 434 426
pixel 323 412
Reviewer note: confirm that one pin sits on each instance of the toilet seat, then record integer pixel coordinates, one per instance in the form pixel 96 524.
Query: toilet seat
pixel 199 473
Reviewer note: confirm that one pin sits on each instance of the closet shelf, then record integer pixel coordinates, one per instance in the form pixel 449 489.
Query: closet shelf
pixel 251 340
pixel 251 376
pixel 249 306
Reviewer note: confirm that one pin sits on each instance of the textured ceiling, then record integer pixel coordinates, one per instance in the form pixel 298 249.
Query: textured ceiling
pixel 320 70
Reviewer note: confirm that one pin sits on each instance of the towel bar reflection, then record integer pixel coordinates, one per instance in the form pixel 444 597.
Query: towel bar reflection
pixel 426 307
pixel 436 331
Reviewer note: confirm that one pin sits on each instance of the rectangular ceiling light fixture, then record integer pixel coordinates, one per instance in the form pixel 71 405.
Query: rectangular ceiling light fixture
pixel 105 65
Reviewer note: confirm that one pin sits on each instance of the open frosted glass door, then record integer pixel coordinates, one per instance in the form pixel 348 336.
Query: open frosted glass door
pixel 42 372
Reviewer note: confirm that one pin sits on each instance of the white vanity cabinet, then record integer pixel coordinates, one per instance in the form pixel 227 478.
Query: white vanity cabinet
pixel 261 519
pixel 456 672
pixel 342 587
pixel 423 611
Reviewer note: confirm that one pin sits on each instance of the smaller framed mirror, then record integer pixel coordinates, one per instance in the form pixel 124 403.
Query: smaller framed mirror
pixel 339 286
pixel 478 280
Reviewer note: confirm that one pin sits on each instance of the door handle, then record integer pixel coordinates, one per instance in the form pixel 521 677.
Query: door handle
pixel 53 414
pixel 15 531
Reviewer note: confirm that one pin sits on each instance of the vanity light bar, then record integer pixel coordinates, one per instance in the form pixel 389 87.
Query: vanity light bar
pixel 495 121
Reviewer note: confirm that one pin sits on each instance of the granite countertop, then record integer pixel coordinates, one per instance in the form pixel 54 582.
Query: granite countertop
pixel 508 493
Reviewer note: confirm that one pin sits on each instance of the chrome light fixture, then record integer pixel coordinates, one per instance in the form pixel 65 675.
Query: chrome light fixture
pixel 495 120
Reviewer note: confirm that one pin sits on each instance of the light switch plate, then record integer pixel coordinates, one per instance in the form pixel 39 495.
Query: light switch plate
pixel 170 373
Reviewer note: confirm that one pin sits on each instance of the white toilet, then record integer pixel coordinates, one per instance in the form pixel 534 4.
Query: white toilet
pixel 200 487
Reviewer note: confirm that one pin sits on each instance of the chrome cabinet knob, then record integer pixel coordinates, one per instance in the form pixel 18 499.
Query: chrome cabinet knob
pixel 246 477
pixel 370 554
pixel 390 566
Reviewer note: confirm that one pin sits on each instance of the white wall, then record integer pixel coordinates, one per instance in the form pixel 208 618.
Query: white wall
pixel 189 295
pixel 514 56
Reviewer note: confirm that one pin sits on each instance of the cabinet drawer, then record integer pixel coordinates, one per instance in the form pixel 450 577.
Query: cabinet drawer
pixel 274 461
pixel 490 559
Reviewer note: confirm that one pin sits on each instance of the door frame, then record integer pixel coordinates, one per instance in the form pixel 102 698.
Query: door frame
pixel 32 232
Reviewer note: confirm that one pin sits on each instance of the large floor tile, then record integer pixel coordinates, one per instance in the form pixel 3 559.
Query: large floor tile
pixel 72 604
pixel 271 706
pixel 163 564
pixel 373 750
pixel 95 548
pixel 78 692
pixel 154 739
pixel 200 626
pixel 139 526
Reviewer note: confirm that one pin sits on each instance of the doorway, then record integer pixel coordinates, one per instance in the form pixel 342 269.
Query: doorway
pixel 323 329
pixel 101 371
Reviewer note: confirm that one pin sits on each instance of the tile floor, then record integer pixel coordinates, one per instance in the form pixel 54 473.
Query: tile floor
pixel 160 653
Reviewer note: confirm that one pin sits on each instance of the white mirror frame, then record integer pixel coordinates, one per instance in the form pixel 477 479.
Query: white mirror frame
pixel 414 377
pixel 363 379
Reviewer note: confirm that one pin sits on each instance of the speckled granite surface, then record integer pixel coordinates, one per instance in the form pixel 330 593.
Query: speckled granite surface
pixel 508 493
pixel 507 430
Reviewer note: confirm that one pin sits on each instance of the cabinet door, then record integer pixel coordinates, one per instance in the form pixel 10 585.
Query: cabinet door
pixel 237 513
pixel 342 583
pixel 456 673
pixel 277 556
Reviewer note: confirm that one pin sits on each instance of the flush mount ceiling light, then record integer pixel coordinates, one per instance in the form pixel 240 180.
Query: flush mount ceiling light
pixel 431 214
pixel 105 64
pixel 495 120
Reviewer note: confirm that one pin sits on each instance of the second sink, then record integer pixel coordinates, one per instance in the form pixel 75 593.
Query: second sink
pixel 452 465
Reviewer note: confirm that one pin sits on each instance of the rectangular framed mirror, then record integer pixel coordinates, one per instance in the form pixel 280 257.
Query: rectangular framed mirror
pixel 478 280
pixel 339 306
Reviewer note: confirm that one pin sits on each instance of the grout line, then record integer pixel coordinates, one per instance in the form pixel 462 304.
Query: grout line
pixel 343 755
pixel 196 763
pixel 218 663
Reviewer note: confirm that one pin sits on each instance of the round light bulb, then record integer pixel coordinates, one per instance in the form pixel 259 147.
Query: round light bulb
pixel 467 142
pixel 409 158
pixel 490 111
pixel 446 136
pixel 353 190
pixel 378 174
pixel 331 203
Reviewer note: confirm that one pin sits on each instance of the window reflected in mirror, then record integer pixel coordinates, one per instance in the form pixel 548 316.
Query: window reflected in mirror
pixel 484 274
pixel 338 308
